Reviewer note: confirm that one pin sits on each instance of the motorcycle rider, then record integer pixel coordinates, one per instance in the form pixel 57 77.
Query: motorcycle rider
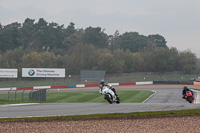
pixel 185 89
pixel 102 84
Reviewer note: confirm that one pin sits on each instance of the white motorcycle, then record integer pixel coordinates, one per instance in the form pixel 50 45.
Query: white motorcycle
pixel 109 95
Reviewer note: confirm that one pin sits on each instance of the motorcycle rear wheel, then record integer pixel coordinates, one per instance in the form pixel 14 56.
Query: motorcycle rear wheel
pixel 118 100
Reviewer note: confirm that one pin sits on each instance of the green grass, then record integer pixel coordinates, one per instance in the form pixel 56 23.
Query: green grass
pixel 14 97
pixel 126 96
pixel 132 96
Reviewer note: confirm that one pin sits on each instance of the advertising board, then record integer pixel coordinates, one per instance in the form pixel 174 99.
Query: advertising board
pixel 43 72
pixel 8 73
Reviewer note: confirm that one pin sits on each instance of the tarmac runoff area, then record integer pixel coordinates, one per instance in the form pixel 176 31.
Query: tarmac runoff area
pixel 165 98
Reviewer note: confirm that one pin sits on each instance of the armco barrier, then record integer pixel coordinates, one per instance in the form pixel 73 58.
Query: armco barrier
pixel 59 86
pixel 71 86
pixel 114 84
pixel 129 83
pixel 144 83
pixel 7 89
pixel 80 85
pixel 24 88
pixel 41 87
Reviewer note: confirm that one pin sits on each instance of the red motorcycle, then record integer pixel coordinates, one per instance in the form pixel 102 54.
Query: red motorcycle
pixel 189 97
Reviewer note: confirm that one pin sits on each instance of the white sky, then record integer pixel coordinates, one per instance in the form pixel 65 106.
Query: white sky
pixel 178 21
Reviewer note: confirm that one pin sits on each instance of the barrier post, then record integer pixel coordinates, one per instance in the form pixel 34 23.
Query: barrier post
pixel 9 94
pixel 30 95
pixel 23 95
pixel 15 94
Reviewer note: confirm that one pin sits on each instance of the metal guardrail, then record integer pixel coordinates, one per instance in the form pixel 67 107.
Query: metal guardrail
pixel 39 95
pixel 31 95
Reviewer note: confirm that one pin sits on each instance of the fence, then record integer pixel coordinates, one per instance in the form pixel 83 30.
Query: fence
pixel 38 95
pixel 23 95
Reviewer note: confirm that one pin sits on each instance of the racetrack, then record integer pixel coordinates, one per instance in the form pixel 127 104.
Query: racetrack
pixel 166 98
pixel 163 99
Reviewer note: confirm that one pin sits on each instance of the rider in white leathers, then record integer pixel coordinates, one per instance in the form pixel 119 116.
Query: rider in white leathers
pixel 102 84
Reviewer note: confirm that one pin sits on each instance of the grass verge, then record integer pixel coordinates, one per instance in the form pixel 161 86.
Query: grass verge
pixel 126 96
pixel 110 115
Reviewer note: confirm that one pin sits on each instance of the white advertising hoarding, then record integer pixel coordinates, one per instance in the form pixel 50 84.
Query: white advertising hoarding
pixel 43 72
pixel 8 73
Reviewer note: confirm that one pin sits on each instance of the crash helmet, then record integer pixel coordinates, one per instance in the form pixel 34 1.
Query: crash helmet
pixel 110 86
pixel 185 87
pixel 102 82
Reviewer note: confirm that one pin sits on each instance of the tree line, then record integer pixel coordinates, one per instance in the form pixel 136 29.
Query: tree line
pixel 50 45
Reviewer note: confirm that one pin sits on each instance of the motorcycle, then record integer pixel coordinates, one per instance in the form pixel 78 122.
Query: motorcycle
pixel 189 97
pixel 109 95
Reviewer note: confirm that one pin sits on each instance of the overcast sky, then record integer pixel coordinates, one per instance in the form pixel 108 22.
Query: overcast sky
pixel 178 21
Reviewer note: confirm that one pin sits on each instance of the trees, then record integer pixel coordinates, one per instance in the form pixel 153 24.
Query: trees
pixel 133 41
pixel 148 63
pixel 133 62
pixel 95 36
pixel 9 37
pixel 161 60
pixel 158 40
pixel 136 42
pixel 26 33
pixel 32 60
pixel 43 44
pixel 118 61
pixel 106 61
pixel 42 36
pixel 1 59
pixel 46 36
pixel 164 59
pixel 87 57
pixel 114 41
pixel 49 60
pixel 12 58
pixel 187 61
pixel 70 29
pixel 80 57
pixel 73 39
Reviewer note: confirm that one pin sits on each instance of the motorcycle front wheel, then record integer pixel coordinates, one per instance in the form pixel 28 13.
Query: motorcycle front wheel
pixel 109 98
pixel 190 99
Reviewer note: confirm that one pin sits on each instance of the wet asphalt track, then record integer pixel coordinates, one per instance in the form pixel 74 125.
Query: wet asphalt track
pixel 164 99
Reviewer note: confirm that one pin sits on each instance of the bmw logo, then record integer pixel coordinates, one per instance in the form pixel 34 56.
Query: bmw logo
pixel 31 72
